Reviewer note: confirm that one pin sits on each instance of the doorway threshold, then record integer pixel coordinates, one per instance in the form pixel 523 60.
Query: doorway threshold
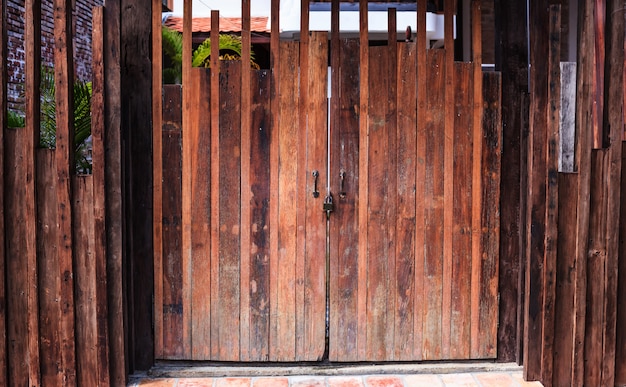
pixel 200 369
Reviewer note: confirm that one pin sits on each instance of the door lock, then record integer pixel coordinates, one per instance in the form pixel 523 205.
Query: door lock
pixel 328 205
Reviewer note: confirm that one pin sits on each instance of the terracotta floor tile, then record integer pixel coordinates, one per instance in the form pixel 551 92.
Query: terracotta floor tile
pixel 195 382
pixel 495 379
pixel 307 381
pixel 270 382
pixel 459 380
pixel 233 382
pixel 519 377
pixel 422 381
pixel 347 381
pixel 383 381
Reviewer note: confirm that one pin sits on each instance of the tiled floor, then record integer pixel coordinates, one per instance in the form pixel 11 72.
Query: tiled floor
pixel 477 379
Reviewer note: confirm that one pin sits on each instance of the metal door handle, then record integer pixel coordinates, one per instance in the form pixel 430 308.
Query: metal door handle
pixel 342 192
pixel 316 193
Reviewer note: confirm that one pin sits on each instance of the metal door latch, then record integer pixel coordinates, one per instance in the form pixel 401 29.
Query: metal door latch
pixel 328 205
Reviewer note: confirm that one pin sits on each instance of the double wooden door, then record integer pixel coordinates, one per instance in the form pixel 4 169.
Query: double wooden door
pixel 411 161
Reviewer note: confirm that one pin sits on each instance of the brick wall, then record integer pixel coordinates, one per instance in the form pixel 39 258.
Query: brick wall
pixel 15 42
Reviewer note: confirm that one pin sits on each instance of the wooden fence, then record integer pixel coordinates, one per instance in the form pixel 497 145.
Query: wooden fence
pixel 575 305
pixel 59 317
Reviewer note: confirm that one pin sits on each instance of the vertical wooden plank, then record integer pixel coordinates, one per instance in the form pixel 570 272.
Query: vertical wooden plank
pixel 596 268
pixel 230 211
pixel 537 178
pixel 49 282
pixel 3 271
pixel 620 342
pixel 157 172
pixel 490 238
pixel 172 280
pixel 200 137
pixel 304 174
pixel 113 185
pixel 461 312
pixel 433 204
pixel 379 245
pixel 283 305
pixel 245 180
pixel 215 185
pixel 316 145
pixel 64 79
pixel 392 202
pixel 476 279
pixel 406 187
pixel 448 174
pixel 564 296
pixel 99 190
pixel 582 164
pixel 420 176
pixel 187 180
pixel 85 282
pixel 613 127
pixel 344 221
pixel 260 226
pixel 23 364
pixel 513 63
pixel 363 201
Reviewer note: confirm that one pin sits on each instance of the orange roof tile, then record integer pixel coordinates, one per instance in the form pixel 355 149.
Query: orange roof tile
pixel 227 24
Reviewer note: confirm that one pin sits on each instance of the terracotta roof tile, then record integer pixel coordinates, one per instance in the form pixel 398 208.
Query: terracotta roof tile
pixel 227 24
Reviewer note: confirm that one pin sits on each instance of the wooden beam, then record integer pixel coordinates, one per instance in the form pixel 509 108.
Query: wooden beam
pixel 4 360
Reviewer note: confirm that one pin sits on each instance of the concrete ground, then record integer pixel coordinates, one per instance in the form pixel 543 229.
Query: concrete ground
pixel 435 375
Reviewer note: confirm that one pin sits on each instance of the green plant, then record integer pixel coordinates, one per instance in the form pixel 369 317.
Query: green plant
pixel 230 48
pixel 15 119
pixel 82 118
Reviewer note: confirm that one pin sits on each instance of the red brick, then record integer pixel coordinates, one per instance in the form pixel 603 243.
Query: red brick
pixel 422 381
pixel 270 382
pixel 306 381
pixel 195 382
pixel 233 382
pixel 384 381
pixel 347 381
pixel 495 379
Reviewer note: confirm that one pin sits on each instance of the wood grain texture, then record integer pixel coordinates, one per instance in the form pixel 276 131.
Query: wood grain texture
pixel 461 311
pixel 172 281
pixel 99 192
pixel 620 342
pixel 49 283
pixel 283 304
pixel 86 335
pixel 201 184
pixel 3 271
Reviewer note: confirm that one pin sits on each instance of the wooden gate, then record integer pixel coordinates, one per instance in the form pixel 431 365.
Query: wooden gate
pixel 413 237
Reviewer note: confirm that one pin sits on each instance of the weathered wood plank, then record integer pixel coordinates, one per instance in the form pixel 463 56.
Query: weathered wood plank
pixel 113 187
pixel 316 132
pixel 433 205
pixel 490 238
pixel 405 297
pixel 613 128
pixel 448 174
pixel 99 190
pixel 230 212
pixel 552 169
pixel 460 322
pixel 3 271
pixel 261 226
pixel 344 227
pixel 379 245
pixel 303 173
pixel 157 171
pixel 420 176
pixel 596 268
pixel 564 297
pixel 171 280
pixel 187 180
pixel 21 278
pixel 48 265
pixel 85 282
pixel 283 305
pixel 201 161
pixel 477 189
pixel 620 342
pixel 246 100
pixel 536 211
